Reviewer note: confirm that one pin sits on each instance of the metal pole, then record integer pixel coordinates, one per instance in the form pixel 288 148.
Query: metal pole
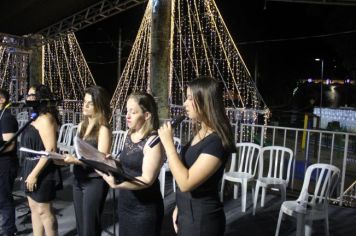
pixel 321 85
pixel 160 55
pixel 36 63
pixel 119 52
pixel 256 68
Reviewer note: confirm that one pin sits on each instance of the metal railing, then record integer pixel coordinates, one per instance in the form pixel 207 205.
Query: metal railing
pixel 309 146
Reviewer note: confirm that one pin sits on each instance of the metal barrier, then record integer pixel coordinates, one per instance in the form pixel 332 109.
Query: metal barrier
pixel 65 115
pixel 309 147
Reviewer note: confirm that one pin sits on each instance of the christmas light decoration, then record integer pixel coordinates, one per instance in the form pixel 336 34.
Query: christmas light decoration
pixel 201 46
pixel 67 74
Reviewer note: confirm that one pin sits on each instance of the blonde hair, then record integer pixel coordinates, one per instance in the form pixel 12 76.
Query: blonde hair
pixel 147 104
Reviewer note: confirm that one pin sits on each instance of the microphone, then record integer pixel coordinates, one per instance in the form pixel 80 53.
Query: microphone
pixel 174 123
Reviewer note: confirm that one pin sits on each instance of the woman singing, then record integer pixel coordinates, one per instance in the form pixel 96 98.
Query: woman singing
pixel 200 168
pixel 89 189
pixel 39 172
pixel 140 205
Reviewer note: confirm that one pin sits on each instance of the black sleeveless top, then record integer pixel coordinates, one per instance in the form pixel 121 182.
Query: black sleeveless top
pixel 46 180
pixel 131 160
pixel 31 139
pixel 85 171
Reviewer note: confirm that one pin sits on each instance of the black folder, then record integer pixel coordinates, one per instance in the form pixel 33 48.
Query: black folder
pixel 97 160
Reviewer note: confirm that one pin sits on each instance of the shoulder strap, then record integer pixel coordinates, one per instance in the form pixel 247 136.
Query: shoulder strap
pixel 124 140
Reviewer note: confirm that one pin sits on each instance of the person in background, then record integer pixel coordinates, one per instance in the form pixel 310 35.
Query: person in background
pixel 31 95
pixel 140 206
pixel 38 173
pixel 201 166
pixel 89 189
pixel 8 166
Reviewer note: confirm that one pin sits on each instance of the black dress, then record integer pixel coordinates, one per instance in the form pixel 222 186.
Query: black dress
pixel 46 182
pixel 200 211
pixel 140 211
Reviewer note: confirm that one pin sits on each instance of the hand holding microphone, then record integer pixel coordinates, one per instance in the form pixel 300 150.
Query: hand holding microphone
pixel 163 132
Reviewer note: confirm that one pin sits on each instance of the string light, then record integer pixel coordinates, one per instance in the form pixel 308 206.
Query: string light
pixel 345 117
pixel 13 70
pixel 201 45
pixel 67 74
pixel 136 73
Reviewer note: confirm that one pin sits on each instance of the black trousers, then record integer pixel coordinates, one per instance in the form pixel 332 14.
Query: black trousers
pixel 8 173
pixel 89 197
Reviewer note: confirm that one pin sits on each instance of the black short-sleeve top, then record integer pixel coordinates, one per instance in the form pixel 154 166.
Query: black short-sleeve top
pixel 8 124
pixel 211 145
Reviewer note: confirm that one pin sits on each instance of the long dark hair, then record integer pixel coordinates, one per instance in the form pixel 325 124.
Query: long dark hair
pixel 45 97
pixel 208 98
pixel 101 103
pixel 147 104
pixel 5 94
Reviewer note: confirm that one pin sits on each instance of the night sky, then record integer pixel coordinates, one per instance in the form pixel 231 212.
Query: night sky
pixel 281 39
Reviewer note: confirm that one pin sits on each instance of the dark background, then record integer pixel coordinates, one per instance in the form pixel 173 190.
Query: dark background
pixel 281 40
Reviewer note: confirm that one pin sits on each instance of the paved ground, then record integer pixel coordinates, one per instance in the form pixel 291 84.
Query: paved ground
pixel 342 220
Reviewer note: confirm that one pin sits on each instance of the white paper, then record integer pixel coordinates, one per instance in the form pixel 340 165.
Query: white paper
pixel 87 151
pixel 52 155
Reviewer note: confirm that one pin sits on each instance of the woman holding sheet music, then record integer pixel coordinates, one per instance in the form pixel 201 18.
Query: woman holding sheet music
pixel 38 173
pixel 140 205
pixel 89 189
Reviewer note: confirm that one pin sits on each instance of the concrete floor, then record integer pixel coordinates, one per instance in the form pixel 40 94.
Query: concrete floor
pixel 342 220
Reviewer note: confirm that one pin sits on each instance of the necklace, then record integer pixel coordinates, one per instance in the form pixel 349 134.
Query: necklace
pixel 202 133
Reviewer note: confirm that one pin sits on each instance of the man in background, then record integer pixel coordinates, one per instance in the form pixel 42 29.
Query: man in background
pixel 8 166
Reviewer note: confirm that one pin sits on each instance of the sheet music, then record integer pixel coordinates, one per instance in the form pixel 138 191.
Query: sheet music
pixel 92 157
pixel 85 150
pixel 47 154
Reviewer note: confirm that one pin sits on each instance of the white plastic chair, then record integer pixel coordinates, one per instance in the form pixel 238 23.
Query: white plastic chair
pixel 279 161
pixel 248 156
pixel 165 168
pixel 118 141
pixel 312 203
pixel 68 146
pixel 63 135
pixel 22 118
